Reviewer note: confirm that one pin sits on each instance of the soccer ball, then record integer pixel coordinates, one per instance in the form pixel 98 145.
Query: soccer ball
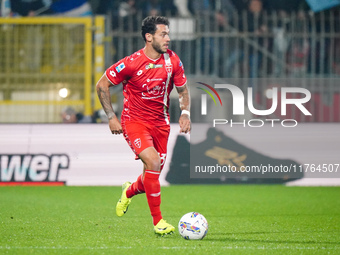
pixel 193 225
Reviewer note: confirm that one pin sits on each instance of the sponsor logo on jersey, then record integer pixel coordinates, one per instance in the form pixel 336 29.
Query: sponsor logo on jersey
pixel 120 67
pixel 155 79
pixel 153 92
pixel 153 66
pixel 112 73
pixel 138 142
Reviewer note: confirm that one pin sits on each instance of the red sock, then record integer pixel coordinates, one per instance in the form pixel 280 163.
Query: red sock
pixel 153 194
pixel 136 188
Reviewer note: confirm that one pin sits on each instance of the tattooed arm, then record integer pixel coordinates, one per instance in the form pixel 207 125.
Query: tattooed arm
pixel 184 103
pixel 103 92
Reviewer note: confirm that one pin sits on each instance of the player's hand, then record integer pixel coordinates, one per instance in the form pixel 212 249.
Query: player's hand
pixel 115 126
pixel 184 123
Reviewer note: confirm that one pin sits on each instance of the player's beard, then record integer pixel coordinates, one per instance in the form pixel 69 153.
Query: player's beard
pixel 157 47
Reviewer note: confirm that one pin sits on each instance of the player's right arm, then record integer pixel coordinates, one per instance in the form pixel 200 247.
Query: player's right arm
pixel 103 92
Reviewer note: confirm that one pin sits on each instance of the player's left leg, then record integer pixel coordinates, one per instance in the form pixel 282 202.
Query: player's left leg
pixel 160 140
pixel 152 166
pixel 152 162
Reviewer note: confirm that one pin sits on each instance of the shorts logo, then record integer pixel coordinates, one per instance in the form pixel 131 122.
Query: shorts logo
pixel 120 67
pixel 138 143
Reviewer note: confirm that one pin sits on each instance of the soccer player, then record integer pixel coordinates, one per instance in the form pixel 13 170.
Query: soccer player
pixel 148 76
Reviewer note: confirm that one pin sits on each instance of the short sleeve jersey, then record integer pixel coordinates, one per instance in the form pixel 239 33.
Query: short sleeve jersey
pixel 145 87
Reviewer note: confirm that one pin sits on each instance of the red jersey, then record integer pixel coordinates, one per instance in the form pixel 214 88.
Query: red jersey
pixel 147 84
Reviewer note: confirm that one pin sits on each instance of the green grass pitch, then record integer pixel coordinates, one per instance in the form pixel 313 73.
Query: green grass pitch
pixel 243 219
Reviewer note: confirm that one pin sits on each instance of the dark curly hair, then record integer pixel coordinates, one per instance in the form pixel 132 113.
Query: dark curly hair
pixel 150 22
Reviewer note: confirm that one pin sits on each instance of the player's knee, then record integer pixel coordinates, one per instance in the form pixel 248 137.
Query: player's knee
pixel 154 164
pixel 151 159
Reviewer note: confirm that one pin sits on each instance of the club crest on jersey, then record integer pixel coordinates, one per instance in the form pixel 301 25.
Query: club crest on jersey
pixel 120 67
pixel 168 68
pixel 153 66
pixel 138 142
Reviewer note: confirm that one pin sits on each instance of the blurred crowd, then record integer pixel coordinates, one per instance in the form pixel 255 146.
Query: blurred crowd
pixel 183 8
pixel 232 16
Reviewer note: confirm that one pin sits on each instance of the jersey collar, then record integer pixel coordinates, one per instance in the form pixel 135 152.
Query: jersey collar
pixel 154 60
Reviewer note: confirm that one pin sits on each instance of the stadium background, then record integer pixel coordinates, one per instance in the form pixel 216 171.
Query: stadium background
pixel 49 65
pixel 50 60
